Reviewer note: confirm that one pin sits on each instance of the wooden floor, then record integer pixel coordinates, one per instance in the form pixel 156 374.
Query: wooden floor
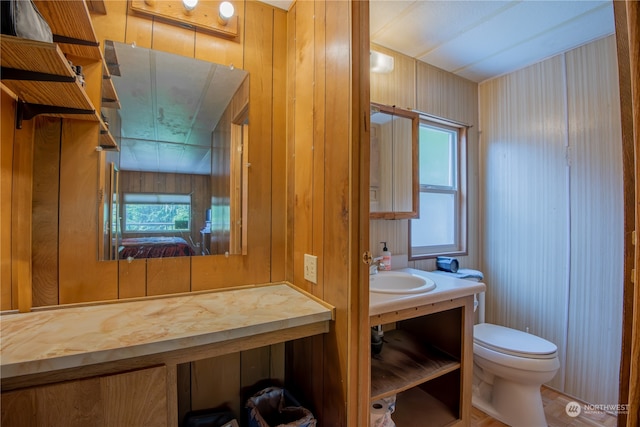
pixel 416 407
pixel 554 408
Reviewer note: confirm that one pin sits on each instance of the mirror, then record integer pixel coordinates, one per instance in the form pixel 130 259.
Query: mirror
pixel 393 192
pixel 176 187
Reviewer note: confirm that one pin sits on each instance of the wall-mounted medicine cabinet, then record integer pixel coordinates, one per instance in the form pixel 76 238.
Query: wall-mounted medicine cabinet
pixel 393 192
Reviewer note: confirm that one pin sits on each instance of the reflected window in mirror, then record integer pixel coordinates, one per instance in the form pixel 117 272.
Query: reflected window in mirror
pixel 181 169
pixel 441 227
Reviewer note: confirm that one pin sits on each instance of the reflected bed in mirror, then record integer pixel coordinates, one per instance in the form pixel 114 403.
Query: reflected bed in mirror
pixel 178 183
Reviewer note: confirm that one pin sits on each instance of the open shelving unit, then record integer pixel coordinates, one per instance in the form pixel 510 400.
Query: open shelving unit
pixel 406 363
pixel 39 75
pixel 425 363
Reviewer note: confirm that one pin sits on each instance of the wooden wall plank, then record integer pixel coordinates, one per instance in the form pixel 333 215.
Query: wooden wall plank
pixel 46 184
pixel 303 124
pixel 168 275
pixel 318 148
pixel 82 276
pixel 112 25
pixel 211 381
pixel 173 39
pixel 132 278
pixel 21 216
pixel 7 129
pixel 279 193
pixel 339 214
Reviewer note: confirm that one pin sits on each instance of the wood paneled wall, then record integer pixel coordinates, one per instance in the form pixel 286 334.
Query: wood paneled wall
pixel 420 86
pixel 304 184
pixel 66 266
pixel 323 171
pixel 552 210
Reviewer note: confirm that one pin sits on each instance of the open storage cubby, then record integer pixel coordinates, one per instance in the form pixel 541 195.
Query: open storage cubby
pixel 39 75
pixel 421 362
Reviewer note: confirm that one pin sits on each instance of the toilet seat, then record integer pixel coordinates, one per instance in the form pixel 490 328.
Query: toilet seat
pixel 513 342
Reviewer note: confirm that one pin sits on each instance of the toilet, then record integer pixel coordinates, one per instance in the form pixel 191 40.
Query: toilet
pixel 509 367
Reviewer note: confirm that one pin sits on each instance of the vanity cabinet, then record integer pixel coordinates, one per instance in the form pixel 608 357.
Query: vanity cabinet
pixel 121 363
pixel 40 76
pixel 136 398
pixel 427 362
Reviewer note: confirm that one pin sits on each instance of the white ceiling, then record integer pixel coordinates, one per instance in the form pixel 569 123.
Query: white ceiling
pixel 480 39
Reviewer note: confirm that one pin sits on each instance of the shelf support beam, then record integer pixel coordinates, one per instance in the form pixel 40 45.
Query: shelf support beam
pixel 27 111
pixel 15 74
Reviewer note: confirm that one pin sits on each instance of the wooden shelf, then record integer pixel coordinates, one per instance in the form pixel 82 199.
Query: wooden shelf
pixel 39 74
pixel 405 363
pixel 107 140
pixel 109 95
pixel 70 19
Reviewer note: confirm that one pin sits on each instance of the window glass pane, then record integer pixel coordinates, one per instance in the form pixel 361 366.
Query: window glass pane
pixel 437 155
pixel 436 226
pixel 145 217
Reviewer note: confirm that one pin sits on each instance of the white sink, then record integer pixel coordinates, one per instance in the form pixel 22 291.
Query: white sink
pixel 398 282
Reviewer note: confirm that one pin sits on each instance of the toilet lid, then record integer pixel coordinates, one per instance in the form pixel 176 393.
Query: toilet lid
pixel 512 341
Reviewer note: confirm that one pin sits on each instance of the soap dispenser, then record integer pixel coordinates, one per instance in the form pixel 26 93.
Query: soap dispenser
pixel 386 256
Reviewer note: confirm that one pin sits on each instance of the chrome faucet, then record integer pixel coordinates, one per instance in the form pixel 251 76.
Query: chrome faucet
pixel 376 266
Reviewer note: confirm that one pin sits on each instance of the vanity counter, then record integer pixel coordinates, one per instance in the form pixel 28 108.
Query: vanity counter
pixel 184 327
pixel 447 288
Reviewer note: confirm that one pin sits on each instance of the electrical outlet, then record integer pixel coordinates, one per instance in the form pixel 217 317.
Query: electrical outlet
pixel 311 268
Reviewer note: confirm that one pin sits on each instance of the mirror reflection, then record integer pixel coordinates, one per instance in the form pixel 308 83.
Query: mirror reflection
pixel 176 186
pixel 393 163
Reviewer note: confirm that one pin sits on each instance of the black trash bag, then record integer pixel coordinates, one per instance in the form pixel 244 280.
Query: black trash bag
pixel 275 407
pixel 214 417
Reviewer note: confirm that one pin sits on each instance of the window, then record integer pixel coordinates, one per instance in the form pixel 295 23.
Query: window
pixel 441 227
pixel 156 213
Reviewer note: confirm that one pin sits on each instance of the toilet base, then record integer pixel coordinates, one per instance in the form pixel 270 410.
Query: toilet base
pixel 517 405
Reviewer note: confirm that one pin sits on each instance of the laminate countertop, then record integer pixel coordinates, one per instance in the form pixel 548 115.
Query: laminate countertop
pixel 61 338
pixel 447 288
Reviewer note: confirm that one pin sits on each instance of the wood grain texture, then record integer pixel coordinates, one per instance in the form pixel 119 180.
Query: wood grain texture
pixel 21 224
pixel 134 398
pixel 82 276
pixel 167 275
pixel 6 189
pixel 46 162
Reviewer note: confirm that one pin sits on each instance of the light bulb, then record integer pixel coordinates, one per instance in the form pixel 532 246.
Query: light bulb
pixel 225 12
pixel 189 5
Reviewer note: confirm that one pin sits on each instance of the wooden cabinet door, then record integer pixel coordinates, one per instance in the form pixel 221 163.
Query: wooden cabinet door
pixel 137 398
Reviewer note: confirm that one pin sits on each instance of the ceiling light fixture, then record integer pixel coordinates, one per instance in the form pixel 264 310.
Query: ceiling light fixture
pixel 225 13
pixel 381 63
pixel 189 5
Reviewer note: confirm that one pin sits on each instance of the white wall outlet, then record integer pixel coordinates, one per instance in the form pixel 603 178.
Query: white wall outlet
pixel 311 268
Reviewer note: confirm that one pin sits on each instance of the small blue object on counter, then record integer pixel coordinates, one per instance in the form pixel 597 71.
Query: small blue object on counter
pixel 446 263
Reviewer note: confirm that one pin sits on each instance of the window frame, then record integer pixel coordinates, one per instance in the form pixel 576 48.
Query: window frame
pixel 159 196
pixel 459 247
